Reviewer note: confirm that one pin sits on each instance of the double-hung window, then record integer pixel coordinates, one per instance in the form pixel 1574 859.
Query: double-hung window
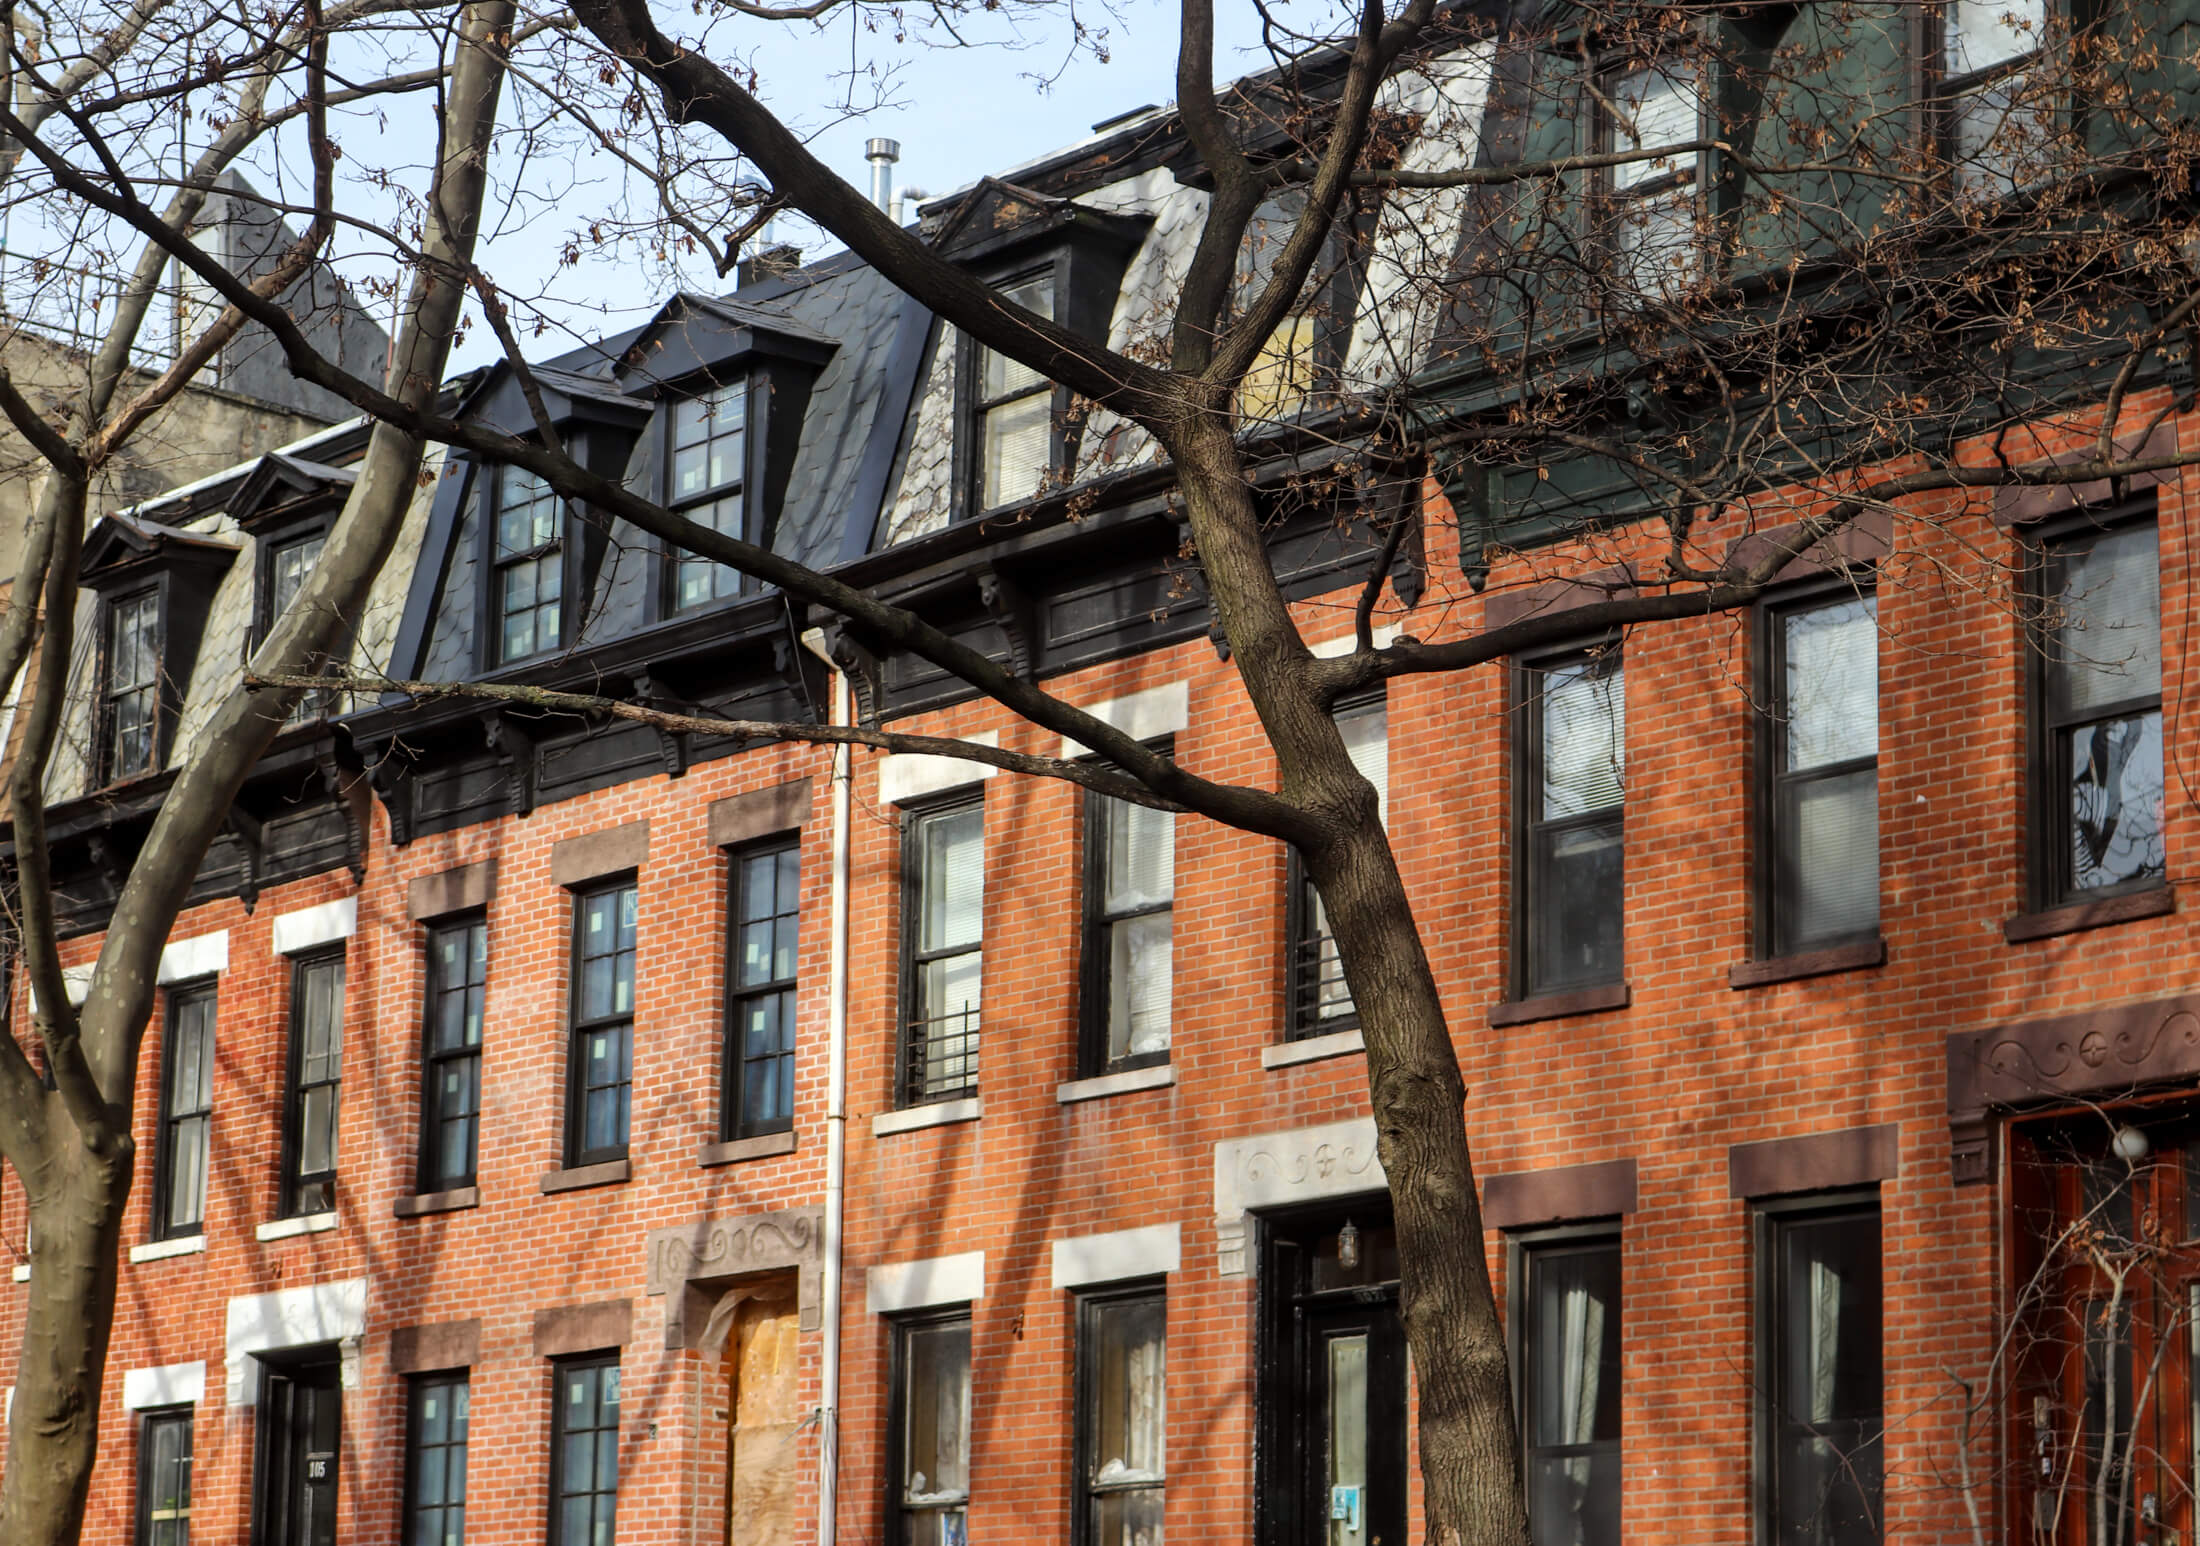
pixel 600 1084
pixel 450 1072
pixel 2096 777
pixel 584 1451
pixel 1572 740
pixel 529 566
pixel 929 1430
pixel 288 564
pixel 186 1113
pixel 1321 1002
pixel 708 476
pixel 1821 1405
pixel 1651 203
pixel 435 1460
pixel 1991 119
pixel 129 716
pixel 1820 875
pixel 943 933
pixel 1130 894
pixel 1012 409
pixel 758 1090
pixel 164 1477
pixel 1568 1345
pixel 1122 1415
pixel 316 1083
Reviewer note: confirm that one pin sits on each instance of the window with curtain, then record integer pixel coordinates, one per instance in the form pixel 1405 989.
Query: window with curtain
pixel 1321 1002
pixel 528 562
pixel 1130 892
pixel 316 1083
pixel 1821 1350
pixel 1572 776
pixel 930 1429
pixel 707 477
pixel 1650 214
pixel 1122 1415
pixel 1569 1348
pixel 1012 409
pixel 2097 728
pixel 1821 696
pixel 1993 122
pixel 758 1092
pixel 186 1113
pixel 450 1074
pixel 600 1086
pixel 584 1452
pixel 130 686
pixel 435 1460
pixel 943 935
pixel 164 1477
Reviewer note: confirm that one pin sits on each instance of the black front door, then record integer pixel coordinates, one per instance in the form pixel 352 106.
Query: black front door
pixel 1332 1382
pixel 294 1476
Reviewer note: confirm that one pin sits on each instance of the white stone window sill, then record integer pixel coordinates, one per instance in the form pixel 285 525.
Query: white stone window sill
pixel 938 1114
pixel 22 1274
pixel 161 1250
pixel 1156 1076
pixel 1312 1049
pixel 304 1224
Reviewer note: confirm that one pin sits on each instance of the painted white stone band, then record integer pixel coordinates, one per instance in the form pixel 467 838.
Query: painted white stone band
pixel 1143 716
pixel 905 776
pixel 919 1285
pixel 1111 1258
pixel 188 959
pixel 76 982
pixel 1346 643
pixel 293 1317
pixel 176 1384
pixel 312 926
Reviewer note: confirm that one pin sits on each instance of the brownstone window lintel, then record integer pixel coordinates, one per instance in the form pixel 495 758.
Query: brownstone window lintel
pixel 2076 917
pixel 736 1150
pixel 458 1197
pixel 579 1177
pixel 1857 955
pixel 1559 1006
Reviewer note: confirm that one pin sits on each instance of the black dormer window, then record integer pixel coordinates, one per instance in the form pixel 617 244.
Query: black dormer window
pixel 129 701
pixel 529 564
pixel 1013 411
pixel 286 567
pixel 708 478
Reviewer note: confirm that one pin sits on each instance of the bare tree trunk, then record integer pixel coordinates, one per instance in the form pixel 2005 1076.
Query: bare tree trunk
pixel 1469 1447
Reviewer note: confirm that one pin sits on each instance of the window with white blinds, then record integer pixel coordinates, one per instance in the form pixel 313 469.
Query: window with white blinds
pixel 1822 696
pixel 1320 1000
pixel 1130 895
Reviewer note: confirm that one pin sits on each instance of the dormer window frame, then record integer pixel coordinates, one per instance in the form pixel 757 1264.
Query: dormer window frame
pixel 270 540
pixel 973 408
pixel 126 561
pixel 1624 190
pixel 104 741
pixel 495 561
pixel 753 524
pixel 1953 90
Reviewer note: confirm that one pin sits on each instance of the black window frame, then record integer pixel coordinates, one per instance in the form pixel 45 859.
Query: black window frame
pixel 1091 1304
pixel 899 1329
pixel 496 561
pixel 735 1070
pixel 560 1369
pixel 298 1195
pixel 1775 903
pixel 1310 956
pixel 972 406
pixel 1526 691
pixel 913 1054
pixel 2047 800
pixel 150 1419
pixel 1522 1250
pixel 105 747
pixel 268 608
pixel 1096 1001
pixel 418 1387
pixel 176 997
pixel 428 1172
pixel 580 1027
pixel 698 504
pixel 1771 1218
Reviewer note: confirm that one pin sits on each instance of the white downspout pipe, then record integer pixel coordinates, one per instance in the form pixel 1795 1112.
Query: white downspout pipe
pixel 836 1114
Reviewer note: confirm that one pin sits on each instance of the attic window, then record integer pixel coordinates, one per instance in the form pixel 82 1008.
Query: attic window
pixel 529 589
pixel 1013 410
pixel 287 565
pixel 129 696
pixel 1988 49
pixel 1651 204
pixel 708 477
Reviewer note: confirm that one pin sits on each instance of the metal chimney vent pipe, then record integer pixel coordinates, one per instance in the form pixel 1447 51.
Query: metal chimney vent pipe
pixel 882 154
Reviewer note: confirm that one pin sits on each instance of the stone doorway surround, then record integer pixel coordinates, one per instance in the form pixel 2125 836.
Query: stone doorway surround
pixel 695 1265
pixel 1286 1169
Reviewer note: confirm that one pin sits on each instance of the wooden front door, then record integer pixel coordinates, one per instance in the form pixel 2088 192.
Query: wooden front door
pixel 764 1412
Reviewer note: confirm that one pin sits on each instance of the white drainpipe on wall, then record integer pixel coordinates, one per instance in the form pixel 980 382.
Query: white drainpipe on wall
pixel 836 1114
